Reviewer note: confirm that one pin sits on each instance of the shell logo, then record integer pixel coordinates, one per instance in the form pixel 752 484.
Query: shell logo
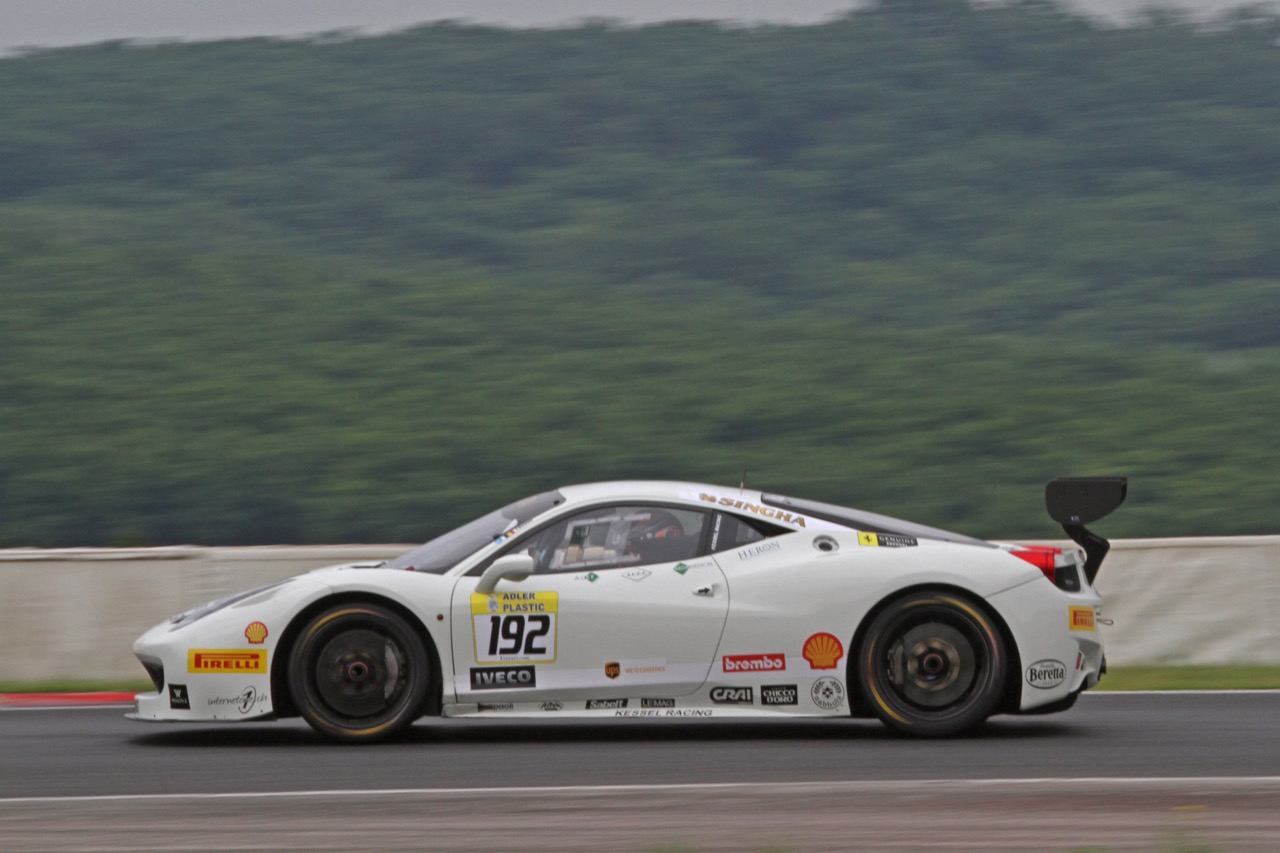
pixel 823 651
pixel 256 632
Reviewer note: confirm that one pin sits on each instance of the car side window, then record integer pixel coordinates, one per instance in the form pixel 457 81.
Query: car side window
pixel 733 531
pixel 617 537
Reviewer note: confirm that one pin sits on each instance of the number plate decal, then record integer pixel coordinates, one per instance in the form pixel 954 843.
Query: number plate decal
pixel 514 626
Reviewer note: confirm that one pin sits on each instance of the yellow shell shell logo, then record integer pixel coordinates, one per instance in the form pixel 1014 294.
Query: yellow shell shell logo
pixel 822 651
pixel 256 632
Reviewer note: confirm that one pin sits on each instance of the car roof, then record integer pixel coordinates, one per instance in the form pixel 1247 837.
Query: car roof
pixel 779 509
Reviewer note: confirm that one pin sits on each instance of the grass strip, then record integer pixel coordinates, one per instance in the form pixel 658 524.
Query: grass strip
pixel 1191 678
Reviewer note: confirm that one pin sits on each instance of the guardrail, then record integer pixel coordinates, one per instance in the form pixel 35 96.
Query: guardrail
pixel 73 614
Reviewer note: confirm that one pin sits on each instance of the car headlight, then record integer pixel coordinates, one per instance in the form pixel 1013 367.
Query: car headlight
pixel 196 613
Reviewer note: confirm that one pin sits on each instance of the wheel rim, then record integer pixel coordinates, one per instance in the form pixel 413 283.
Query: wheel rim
pixel 360 673
pixel 932 665
pixel 936 662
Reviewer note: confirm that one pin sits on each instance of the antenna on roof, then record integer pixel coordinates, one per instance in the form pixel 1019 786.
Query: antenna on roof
pixel 743 484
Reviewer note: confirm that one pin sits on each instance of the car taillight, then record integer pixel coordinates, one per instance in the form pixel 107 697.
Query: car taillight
pixel 1043 557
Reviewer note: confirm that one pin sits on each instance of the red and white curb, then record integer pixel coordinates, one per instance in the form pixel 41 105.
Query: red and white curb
pixel 64 700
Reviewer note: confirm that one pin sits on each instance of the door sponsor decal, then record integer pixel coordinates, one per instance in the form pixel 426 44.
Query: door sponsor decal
pixel 887 540
pixel 637 574
pixel 1046 674
pixel 827 693
pixel 641 668
pixel 779 694
pixel 1080 618
pixel 503 677
pixel 255 632
pixel 731 695
pixel 766 547
pixel 657 703
pixel 230 661
pixel 754 663
pixel 822 651
pixel 606 704
pixel 514 626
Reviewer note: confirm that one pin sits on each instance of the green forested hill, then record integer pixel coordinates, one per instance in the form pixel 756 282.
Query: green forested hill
pixel 921 260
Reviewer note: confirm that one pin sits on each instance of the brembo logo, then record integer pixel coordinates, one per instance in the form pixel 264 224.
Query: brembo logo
pixel 226 660
pixel 503 677
pixel 754 663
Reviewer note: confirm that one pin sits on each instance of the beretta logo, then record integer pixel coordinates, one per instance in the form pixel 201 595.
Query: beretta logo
pixel 605 704
pixel 1046 674
pixel 779 694
pixel 503 677
pixel 731 695
pixel 179 698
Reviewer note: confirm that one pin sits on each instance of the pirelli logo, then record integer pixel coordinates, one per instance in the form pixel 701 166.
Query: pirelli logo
pixel 239 661
pixel 1081 619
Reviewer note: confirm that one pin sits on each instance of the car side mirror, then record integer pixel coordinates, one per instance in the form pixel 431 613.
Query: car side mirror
pixel 512 567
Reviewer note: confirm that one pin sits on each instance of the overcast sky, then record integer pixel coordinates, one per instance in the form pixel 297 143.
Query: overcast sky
pixel 57 23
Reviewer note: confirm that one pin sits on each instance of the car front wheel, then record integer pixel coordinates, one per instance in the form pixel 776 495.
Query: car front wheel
pixel 932 664
pixel 359 673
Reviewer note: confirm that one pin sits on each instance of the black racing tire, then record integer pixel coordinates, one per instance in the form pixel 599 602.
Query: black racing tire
pixel 932 664
pixel 359 673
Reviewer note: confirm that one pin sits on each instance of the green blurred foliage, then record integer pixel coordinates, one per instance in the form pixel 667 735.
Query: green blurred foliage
pixel 920 259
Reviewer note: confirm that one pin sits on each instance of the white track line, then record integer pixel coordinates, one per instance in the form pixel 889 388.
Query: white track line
pixel 1059 785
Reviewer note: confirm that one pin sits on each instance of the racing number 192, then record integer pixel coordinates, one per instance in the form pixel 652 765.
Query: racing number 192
pixel 515 633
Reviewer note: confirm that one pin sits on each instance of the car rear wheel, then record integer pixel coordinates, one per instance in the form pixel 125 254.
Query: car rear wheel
pixel 932 664
pixel 359 672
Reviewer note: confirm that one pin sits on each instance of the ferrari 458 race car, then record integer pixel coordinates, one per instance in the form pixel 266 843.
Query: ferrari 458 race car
pixel 657 599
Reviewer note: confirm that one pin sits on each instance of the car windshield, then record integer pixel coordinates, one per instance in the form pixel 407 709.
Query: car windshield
pixel 447 550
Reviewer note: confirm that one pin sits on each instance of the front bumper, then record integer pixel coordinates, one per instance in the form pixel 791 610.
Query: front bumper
pixel 218 668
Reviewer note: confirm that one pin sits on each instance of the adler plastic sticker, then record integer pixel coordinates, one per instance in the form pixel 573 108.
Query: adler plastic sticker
pixel 514 626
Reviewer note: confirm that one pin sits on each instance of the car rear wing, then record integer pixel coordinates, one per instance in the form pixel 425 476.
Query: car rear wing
pixel 1074 502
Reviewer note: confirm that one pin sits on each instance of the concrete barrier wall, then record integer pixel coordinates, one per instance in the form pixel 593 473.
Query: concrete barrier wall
pixel 73 614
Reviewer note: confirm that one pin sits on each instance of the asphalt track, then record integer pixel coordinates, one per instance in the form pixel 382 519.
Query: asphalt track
pixel 1152 772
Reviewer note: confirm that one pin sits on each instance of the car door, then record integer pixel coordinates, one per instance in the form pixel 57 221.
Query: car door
pixel 622 603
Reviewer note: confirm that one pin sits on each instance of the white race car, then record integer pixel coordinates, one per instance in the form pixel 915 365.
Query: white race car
pixel 657 599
